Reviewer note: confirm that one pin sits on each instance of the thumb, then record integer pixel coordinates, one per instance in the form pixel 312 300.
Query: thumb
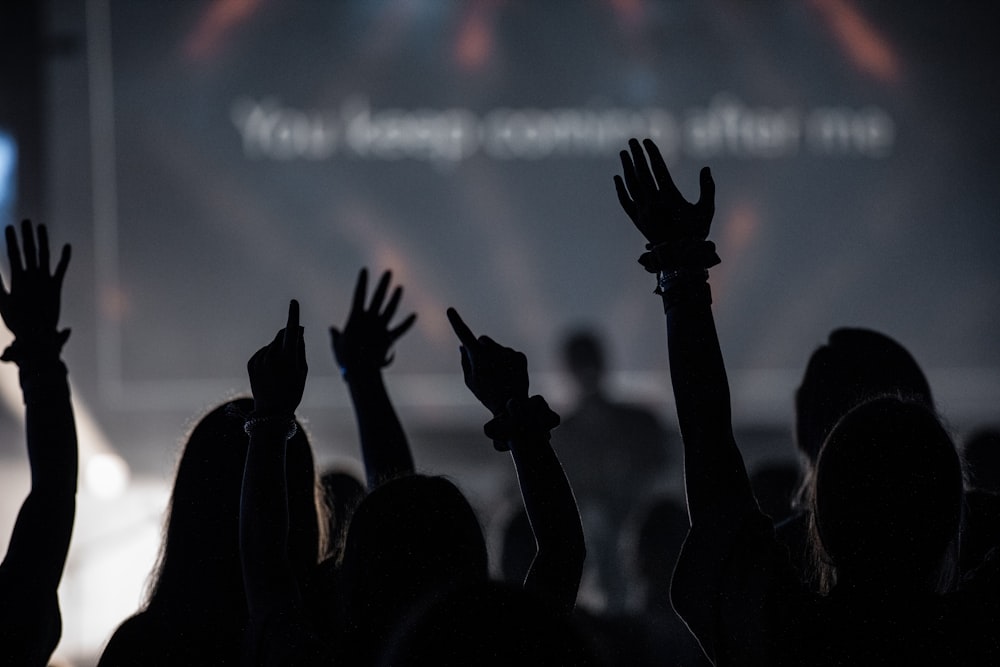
pixel 706 200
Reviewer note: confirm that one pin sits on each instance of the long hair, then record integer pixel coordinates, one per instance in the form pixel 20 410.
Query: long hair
pixel 198 570
pixel 887 499
pixel 852 367
pixel 410 536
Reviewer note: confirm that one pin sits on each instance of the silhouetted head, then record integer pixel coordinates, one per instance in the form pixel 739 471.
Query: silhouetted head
pixel 774 484
pixel 887 497
pixel 518 546
pixel 583 354
pixel 653 548
pixel 853 366
pixel 199 568
pixel 981 454
pixel 486 623
pixel 409 536
pixel 342 492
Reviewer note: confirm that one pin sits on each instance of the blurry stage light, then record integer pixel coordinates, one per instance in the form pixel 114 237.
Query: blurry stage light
pixel 8 165
pixel 106 475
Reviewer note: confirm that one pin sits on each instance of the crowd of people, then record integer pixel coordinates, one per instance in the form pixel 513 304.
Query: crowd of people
pixel 888 552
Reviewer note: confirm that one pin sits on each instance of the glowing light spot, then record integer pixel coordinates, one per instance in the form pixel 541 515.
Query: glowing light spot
pixel 474 44
pixel 221 17
pixel 106 475
pixel 864 45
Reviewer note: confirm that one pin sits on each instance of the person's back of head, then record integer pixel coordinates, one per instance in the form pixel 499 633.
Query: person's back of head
pixel 583 356
pixel 486 623
pixel 854 365
pixel 518 547
pixel 199 556
pixel 199 570
pixel 654 546
pixel 342 493
pixel 774 484
pixel 409 536
pixel 887 498
pixel 981 454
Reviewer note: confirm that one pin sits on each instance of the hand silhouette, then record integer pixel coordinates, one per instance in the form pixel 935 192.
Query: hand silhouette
pixel 655 205
pixel 278 370
pixel 364 342
pixel 495 374
pixel 30 309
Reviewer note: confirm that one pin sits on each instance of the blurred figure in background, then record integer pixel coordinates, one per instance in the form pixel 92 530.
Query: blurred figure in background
pixel 614 455
pixel 981 530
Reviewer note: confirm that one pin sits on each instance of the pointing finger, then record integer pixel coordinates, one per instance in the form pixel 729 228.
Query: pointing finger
pixel 292 330
pixel 464 333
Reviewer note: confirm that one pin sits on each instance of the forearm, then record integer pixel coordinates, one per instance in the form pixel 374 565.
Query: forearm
pixel 384 447
pixel 41 537
pixel 714 471
pixel 267 573
pixel 555 521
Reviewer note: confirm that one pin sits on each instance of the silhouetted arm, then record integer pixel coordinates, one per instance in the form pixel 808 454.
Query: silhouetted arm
pixel 498 376
pixel 714 471
pixel 277 378
pixel 30 309
pixel 361 350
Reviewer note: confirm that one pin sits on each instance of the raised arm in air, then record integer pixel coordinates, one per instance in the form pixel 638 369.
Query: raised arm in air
pixel 498 376
pixel 38 546
pixel 679 254
pixel 362 350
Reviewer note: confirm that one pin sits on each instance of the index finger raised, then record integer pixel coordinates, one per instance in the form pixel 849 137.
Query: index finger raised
pixel 462 330
pixel 292 331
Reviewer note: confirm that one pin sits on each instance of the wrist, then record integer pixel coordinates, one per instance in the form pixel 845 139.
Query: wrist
pixel 36 348
pixel 690 254
pixel 43 379
pixel 273 423
pixel 685 288
pixel 522 419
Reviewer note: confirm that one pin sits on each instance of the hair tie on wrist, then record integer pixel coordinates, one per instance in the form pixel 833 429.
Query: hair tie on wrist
pixel 522 418
pixel 36 347
pixel 679 254
pixel 267 420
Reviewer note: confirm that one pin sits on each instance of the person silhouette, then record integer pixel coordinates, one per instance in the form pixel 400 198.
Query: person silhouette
pixel 853 366
pixel 886 496
pixel 30 620
pixel 195 612
pixel 981 529
pixel 614 454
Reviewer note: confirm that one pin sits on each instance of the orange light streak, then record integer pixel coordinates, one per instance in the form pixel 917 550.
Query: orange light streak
pixel 862 42
pixel 221 17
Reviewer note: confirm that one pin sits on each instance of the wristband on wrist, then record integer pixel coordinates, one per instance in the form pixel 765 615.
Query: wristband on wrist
pixel 522 418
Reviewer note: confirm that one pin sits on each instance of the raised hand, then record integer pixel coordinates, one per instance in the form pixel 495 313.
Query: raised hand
pixel 655 205
pixel 495 374
pixel 30 308
pixel 278 370
pixel 365 342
